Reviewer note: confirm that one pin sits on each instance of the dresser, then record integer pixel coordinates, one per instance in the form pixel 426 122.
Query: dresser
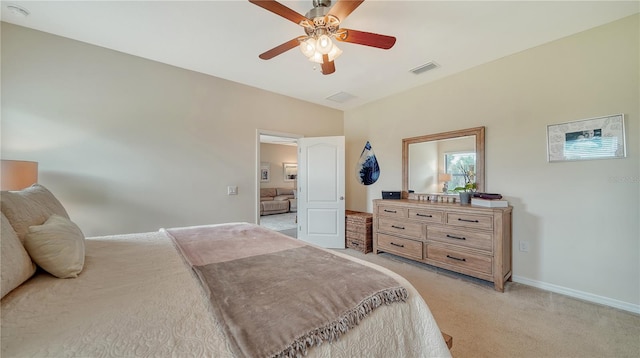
pixel 471 240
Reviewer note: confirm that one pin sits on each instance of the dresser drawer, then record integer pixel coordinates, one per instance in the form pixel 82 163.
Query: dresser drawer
pixel 473 239
pixel 460 259
pixel 432 216
pixel 411 229
pixel 477 221
pixel 393 211
pixel 405 247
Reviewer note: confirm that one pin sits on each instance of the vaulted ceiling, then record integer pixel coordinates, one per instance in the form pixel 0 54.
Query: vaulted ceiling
pixel 224 38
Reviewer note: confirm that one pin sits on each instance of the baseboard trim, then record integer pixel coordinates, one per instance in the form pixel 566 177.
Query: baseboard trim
pixel 578 294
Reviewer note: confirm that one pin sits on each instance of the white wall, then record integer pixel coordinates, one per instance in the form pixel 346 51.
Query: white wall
pixel 132 145
pixel 580 218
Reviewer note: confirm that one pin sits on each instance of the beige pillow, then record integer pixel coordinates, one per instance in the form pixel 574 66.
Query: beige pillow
pixel 16 263
pixel 284 191
pixel 30 206
pixel 57 246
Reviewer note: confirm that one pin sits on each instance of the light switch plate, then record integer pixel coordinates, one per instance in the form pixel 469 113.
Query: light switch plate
pixel 232 190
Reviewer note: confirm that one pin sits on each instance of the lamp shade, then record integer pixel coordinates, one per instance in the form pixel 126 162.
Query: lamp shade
pixel 324 44
pixel 444 177
pixel 317 57
pixel 334 53
pixel 17 174
pixel 308 47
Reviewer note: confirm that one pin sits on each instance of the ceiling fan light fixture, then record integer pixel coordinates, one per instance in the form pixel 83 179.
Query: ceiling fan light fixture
pixel 334 53
pixel 308 47
pixel 322 28
pixel 312 50
pixel 324 44
pixel 316 57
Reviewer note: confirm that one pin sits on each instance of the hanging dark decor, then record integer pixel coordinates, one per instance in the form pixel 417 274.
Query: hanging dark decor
pixel 367 170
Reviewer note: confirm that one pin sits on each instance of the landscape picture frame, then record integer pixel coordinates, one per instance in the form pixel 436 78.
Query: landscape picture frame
pixel 587 139
pixel 290 171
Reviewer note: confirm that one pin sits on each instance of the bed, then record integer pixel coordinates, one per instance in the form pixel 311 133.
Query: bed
pixel 147 295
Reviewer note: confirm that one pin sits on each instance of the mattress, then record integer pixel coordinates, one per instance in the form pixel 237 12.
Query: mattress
pixel 137 297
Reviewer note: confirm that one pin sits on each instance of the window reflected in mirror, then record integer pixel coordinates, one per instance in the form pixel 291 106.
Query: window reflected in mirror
pixel 439 163
pixel 430 162
pixel 461 168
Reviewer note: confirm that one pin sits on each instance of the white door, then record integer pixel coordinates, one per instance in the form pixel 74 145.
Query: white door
pixel 321 191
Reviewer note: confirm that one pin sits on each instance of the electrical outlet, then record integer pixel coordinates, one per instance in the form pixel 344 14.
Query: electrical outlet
pixel 524 246
pixel 232 190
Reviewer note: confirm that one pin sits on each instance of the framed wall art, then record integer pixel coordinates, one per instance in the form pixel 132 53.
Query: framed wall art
pixel 265 174
pixel 593 138
pixel 290 171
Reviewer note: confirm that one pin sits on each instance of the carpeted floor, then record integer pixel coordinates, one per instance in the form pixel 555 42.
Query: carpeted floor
pixel 290 232
pixel 279 222
pixel 521 322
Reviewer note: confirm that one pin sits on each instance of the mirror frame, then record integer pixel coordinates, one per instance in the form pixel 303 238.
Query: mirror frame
pixel 477 131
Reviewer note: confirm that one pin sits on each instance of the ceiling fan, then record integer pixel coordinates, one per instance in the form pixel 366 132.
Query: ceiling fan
pixel 321 25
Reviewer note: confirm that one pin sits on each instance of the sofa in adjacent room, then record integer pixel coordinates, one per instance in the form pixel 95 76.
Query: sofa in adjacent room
pixel 277 200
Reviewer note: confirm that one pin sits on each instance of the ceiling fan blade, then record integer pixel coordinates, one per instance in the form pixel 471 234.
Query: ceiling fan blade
pixel 279 9
pixel 343 8
pixel 280 49
pixel 366 38
pixel 328 67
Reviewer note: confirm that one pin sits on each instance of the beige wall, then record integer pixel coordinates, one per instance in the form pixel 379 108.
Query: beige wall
pixel 276 155
pixel 580 218
pixel 423 175
pixel 131 145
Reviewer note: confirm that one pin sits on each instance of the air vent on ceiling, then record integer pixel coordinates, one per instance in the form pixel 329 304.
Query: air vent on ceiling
pixel 424 68
pixel 341 97
pixel 17 11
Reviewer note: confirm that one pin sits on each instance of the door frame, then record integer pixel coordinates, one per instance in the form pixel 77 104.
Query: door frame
pixel 257 164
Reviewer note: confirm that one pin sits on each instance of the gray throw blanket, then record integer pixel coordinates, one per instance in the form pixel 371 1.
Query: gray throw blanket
pixel 276 296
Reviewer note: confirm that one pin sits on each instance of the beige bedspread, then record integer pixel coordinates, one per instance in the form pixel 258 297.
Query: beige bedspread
pixel 136 297
pixel 281 300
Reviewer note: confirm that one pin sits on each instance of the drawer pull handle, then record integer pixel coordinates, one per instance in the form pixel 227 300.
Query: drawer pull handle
pixel 456 237
pixel 394 244
pixel 390 211
pixel 425 216
pixel 355 243
pixel 455 258
pixel 397 227
pixel 469 221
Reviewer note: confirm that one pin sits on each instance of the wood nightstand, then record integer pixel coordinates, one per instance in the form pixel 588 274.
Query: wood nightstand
pixel 358 230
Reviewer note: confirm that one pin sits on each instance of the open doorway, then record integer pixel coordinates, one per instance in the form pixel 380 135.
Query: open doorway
pixel 277 158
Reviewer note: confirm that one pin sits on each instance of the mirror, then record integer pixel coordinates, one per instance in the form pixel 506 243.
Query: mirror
pixel 430 161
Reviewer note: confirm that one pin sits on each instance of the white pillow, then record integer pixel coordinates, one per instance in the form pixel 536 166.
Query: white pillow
pixel 57 246
pixel 30 206
pixel 16 263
